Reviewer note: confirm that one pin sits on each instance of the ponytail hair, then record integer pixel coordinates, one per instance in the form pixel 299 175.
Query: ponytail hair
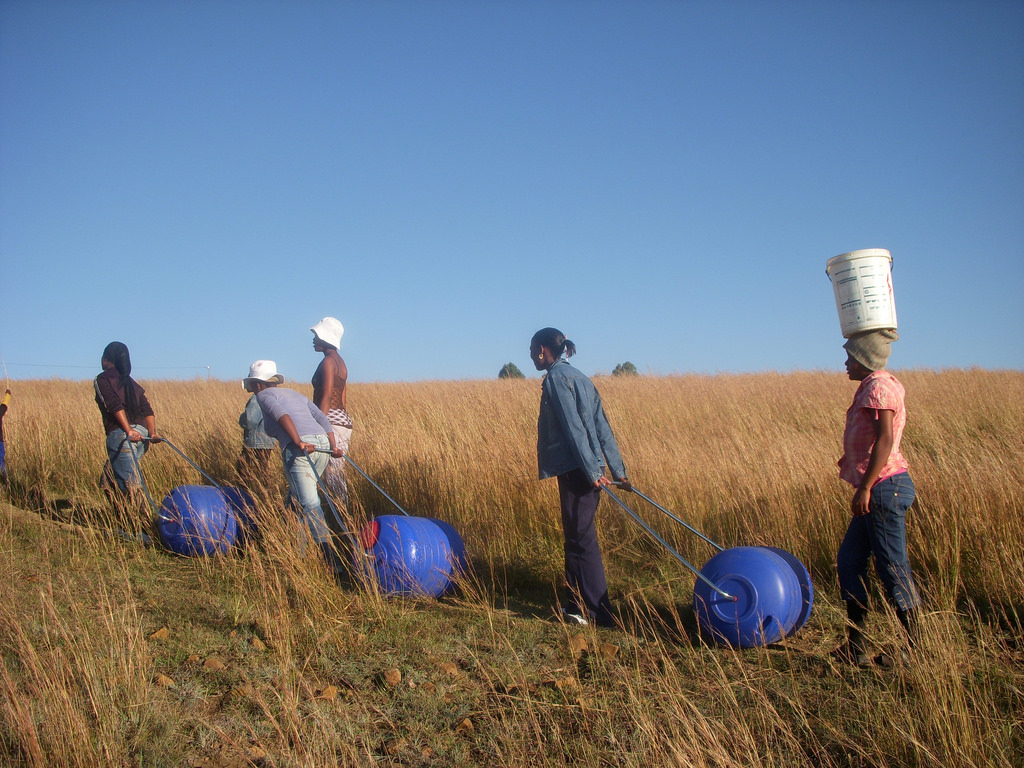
pixel 555 340
pixel 117 354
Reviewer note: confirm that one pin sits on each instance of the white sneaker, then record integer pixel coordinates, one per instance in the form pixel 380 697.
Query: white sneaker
pixel 574 618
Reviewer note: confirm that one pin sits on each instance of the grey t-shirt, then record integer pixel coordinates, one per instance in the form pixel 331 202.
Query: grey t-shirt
pixel 276 402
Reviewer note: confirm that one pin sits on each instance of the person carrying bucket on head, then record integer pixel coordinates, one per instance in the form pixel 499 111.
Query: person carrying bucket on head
pixel 130 426
pixel 873 465
pixel 575 444
pixel 306 440
pixel 329 395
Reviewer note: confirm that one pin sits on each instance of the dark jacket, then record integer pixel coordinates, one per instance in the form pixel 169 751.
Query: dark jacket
pixel 110 397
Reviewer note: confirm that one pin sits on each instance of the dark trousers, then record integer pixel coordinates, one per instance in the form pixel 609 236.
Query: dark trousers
pixel 584 569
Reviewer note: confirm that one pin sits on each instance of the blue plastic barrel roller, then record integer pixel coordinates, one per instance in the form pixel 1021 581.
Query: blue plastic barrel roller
pixel 455 545
pixel 769 600
pixel 411 555
pixel 242 506
pixel 803 576
pixel 196 520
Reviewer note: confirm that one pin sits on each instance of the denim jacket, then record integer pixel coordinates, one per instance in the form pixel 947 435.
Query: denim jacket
pixel 251 422
pixel 572 430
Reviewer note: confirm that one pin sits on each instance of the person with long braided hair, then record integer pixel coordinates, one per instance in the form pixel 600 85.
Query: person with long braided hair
pixel 128 420
pixel 575 444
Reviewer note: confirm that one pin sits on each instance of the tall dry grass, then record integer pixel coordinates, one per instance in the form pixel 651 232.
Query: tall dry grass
pixel 747 459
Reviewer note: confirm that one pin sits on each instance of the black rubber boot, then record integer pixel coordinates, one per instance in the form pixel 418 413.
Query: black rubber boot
pixel 854 650
pixel 901 656
pixel 909 621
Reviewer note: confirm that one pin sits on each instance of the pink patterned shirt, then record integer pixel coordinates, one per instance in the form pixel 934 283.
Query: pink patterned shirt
pixel 880 391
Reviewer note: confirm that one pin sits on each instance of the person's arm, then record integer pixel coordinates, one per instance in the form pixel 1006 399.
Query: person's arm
pixel 336 452
pixel 879 455
pixel 286 423
pixel 610 447
pixel 151 428
pixel 121 417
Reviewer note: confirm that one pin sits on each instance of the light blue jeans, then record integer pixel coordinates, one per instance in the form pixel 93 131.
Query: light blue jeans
pixel 881 533
pixel 302 486
pixel 123 463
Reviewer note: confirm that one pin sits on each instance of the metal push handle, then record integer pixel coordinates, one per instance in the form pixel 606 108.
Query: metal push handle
pixel 142 479
pixel 669 547
pixel 176 449
pixel 371 482
pixel 179 452
pixel 683 523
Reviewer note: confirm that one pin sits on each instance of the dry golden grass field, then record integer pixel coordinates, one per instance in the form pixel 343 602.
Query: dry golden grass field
pixel 113 654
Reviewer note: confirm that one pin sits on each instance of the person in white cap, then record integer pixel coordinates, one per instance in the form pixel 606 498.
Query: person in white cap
pixel 305 437
pixel 329 382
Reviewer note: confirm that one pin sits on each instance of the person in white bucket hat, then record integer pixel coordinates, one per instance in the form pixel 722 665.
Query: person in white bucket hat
pixel 329 394
pixel 306 440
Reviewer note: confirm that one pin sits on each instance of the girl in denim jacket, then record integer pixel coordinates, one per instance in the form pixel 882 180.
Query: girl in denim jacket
pixel 575 444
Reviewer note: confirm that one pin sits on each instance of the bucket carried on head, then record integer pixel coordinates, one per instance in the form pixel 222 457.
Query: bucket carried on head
pixel 862 282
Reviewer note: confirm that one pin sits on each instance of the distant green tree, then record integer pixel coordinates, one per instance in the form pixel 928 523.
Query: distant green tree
pixel 625 369
pixel 510 371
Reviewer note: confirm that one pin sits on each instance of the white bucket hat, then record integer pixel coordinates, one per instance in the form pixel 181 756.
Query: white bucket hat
pixel 263 370
pixel 329 330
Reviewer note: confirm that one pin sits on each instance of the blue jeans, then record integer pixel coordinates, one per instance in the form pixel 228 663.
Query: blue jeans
pixel 302 486
pixel 881 533
pixel 123 456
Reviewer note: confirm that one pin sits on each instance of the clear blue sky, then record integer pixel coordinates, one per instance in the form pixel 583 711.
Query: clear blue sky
pixel 664 181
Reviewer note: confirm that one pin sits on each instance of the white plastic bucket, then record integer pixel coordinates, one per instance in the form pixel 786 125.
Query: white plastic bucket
pixel 862 282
